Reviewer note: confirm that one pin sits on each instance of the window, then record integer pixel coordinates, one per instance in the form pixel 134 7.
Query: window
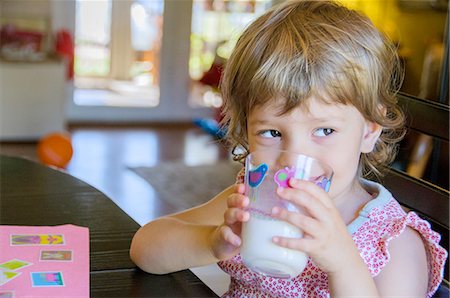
pixel 216 26
pixel 117 52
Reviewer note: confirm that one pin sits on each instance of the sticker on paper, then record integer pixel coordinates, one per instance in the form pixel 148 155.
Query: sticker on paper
pixel 6 276
pixel 6 294
pixel 47 279
pixel 55 255
pixel 14 265
pixel 40 239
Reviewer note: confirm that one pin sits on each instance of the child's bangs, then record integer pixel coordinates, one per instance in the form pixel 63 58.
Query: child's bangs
pixel 281 77
pixel 294 80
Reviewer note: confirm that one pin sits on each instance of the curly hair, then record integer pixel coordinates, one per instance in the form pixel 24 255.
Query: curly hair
pixel 301 49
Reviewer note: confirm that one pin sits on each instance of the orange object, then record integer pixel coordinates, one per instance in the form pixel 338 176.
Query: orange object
pixel 55 149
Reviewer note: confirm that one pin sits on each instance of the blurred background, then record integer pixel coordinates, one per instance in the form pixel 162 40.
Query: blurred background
pixel 105 70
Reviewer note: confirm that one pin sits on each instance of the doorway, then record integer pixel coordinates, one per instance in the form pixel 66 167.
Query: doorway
pixel 117 53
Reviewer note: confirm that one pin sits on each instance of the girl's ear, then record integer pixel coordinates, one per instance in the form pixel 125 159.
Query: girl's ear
pixel 372 132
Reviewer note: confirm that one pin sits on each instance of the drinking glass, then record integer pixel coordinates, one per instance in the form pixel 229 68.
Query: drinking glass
pixel 265 171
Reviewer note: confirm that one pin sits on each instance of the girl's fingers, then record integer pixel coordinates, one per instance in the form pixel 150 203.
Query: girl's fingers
pixel 312 204
pixel 234 215
pixel 313 190
pixel 237 201
pixel 229 236
pixel 240 188
pixel 307 245
pixel 307 224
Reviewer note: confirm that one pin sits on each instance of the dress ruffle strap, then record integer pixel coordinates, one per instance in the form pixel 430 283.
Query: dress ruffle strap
pixel 436 254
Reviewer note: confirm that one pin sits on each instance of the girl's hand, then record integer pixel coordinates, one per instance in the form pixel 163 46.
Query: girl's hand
pixel 226 239
pixel 325 237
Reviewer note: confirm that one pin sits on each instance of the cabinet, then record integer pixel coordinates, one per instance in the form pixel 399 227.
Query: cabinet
pixel 32 99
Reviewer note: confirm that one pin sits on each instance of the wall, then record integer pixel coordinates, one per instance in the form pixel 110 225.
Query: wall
pixel 31 100
pixel 412 27
pixel 417 28
pixel 32 95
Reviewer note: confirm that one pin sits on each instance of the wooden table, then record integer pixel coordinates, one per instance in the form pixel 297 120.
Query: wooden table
pixel 34 195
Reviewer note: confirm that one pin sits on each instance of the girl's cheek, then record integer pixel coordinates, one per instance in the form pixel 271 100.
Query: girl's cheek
pixel 266 142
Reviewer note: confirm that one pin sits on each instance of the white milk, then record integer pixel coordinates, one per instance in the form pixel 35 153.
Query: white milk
pixel 260 254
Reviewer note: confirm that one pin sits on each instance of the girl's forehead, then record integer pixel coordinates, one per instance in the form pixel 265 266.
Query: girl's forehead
pixel 310 108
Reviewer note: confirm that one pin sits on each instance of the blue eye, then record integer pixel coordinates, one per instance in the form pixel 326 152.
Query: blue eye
pixel 323 132
pixel 270 133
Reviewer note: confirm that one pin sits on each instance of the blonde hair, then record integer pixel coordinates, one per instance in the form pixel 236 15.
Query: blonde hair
pixel 300 49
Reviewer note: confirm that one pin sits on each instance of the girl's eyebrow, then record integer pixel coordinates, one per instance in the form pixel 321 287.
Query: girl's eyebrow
pixel 259 122
pixel 328 119
pixel 314 120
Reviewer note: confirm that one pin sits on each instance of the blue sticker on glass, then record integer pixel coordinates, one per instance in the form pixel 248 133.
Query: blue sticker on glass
pixel 256 176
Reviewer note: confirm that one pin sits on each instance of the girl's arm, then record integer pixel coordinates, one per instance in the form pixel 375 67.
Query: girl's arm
pixel 194 237
pixel 406 274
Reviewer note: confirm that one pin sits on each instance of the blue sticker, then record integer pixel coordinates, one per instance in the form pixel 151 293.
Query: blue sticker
pixel 324 184
pixel 47 279
pixel 256 176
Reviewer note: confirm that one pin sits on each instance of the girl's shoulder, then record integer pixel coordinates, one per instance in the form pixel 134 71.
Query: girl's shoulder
pixel 385 214
pixel 383 220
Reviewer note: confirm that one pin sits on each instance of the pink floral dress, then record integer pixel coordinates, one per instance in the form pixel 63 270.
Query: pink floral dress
pixel 380 221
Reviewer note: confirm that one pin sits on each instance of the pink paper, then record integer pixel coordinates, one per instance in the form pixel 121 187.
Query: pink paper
pixel 51 259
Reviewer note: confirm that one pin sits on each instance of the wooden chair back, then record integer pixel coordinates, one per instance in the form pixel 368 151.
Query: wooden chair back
pixel 428 200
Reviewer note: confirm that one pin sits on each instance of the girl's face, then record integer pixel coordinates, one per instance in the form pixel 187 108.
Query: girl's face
pixel 335 134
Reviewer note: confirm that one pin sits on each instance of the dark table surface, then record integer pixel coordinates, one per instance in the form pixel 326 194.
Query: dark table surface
pixel 45 196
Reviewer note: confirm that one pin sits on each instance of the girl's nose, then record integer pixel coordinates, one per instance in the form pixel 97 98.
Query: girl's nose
pixel 287 159
pixel 297 146
pixel 293 165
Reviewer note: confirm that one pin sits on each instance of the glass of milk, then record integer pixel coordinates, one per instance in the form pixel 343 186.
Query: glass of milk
pixel 265 171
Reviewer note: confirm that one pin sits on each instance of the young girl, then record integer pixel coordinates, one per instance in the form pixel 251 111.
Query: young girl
pixel 316 78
